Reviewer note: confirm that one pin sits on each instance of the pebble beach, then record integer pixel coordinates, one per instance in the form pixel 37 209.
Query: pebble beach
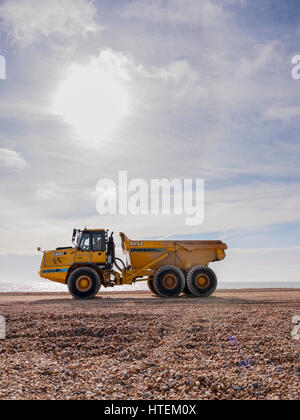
pixel 237 344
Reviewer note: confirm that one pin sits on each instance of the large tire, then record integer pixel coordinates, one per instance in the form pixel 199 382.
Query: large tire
pixel 201 281
pixel 84 283
pixel 169 281
pixel 150 285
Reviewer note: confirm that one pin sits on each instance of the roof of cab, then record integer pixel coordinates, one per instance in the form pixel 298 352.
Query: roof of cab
pixel 94 230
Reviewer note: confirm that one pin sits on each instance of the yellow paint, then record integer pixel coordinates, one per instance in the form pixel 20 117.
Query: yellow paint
pixel 58 277
pixel 183 254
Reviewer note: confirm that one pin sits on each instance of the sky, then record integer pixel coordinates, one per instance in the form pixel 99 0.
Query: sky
pixel 161 89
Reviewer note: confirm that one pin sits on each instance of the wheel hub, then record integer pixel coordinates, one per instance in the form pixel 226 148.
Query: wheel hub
pixel 202 281
pixel 83 283
pixel 169 281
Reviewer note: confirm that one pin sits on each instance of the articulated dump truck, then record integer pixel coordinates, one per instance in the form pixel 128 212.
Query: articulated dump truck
pixel 169 267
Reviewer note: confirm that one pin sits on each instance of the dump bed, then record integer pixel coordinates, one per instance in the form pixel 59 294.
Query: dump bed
pixel 183 254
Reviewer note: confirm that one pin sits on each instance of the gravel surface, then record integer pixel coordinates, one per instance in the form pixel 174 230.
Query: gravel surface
pixel 235 345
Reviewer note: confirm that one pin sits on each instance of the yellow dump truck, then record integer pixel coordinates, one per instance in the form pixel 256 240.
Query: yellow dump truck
pixel 169 267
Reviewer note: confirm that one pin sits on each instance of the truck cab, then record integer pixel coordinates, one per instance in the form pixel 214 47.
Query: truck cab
pixel 91 246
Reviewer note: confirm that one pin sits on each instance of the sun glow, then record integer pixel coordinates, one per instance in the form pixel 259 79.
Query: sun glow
pixel 93 100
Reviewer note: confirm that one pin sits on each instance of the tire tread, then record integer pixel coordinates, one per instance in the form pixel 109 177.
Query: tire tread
pixel 96 280
pixel 208 271
pixel 157 287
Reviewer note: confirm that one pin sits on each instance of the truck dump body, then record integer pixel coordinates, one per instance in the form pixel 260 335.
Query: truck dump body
pixel 183 254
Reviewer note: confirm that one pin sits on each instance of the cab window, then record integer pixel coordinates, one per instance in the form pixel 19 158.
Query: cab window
pixel 98 241
pixel 85 242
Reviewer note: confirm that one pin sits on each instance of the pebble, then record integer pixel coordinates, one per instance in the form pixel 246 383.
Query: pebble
pixel 86 351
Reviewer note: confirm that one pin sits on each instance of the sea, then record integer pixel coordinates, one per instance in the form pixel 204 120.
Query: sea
pixel 44 286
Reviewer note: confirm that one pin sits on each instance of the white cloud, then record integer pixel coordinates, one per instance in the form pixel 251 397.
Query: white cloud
pixel 252 206
pixel 179 80
pixel 27 21
pixel 126 68
pixel 45 194
pixel 116 63
pixel 203 13
pixel 11 160
pixel 266 58
pixel 282 113
pixel 178 72
pixel 176 79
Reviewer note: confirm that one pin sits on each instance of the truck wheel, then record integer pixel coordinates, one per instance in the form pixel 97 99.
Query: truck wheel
pixel 150 285
pixel 168 281
pixel 201 281
pixel 84 283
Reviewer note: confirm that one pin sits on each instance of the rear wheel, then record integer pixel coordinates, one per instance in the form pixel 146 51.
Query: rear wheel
pixel 84 283
pixel 201 281
pixel 168 281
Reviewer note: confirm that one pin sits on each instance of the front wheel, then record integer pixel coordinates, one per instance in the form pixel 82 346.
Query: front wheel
pixel 169 281
pixel 201 281
pixel 84 283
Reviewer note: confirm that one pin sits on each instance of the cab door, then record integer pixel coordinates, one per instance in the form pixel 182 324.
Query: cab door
pixel 83 251
pixel 98 248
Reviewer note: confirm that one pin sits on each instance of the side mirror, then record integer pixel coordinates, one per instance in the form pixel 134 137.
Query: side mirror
pixel 74 235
